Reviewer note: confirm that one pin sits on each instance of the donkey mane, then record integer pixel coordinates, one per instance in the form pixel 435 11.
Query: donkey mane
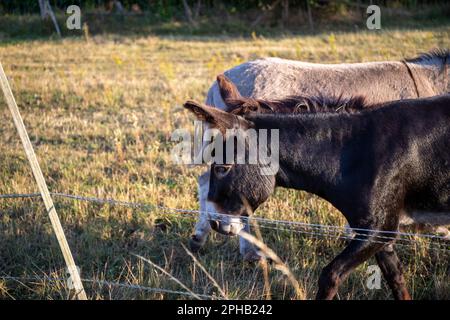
pixel 443 54
pixel 299 104
pixel 321 103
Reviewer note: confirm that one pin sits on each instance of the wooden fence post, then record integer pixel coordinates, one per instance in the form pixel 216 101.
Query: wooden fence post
pixel 43 189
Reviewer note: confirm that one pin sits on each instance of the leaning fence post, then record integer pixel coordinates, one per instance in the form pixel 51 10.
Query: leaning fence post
pixel 43 189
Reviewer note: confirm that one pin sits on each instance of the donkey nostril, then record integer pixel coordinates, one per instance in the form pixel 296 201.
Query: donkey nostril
pixel 214 225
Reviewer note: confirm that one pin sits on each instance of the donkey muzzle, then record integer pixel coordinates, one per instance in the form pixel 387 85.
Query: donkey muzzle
pixel 228 229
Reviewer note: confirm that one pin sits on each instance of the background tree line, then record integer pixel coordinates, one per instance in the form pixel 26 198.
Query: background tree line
pixel 234 16
pixel 172 8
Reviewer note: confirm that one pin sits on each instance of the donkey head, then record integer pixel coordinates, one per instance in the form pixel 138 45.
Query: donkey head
pixel 236 188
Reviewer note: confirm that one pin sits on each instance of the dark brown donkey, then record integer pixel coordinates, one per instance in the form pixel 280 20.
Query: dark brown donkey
pixel 274 78
pixel 377 167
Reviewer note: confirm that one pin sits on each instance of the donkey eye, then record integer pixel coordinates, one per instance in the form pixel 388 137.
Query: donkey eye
pixel 221 170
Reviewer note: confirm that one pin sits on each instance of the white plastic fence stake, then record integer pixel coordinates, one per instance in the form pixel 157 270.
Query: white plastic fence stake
pixel 43 189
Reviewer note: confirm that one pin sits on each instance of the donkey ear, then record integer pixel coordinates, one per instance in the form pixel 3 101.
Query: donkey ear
pixel 227 89
pixel 217 118
pixel 235 103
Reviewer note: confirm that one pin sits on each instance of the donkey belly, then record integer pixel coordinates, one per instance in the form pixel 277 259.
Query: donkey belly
pixel 425 217
pixel 430 205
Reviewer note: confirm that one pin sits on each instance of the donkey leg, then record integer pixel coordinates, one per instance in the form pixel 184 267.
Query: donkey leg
pixel 338 270
pixel 202 227
pixel 392 271
pixel 248 250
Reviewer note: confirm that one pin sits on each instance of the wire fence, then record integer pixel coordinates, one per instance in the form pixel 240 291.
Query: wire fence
pixel 360 234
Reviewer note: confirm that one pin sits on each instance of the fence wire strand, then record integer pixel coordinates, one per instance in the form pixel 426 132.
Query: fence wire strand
pixel 104 283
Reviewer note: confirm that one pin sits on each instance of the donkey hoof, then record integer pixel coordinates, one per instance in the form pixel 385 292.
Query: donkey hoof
pixel 253 256
pixel 195 244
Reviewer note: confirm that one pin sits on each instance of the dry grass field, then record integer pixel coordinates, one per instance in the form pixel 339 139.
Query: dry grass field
pixel 100 111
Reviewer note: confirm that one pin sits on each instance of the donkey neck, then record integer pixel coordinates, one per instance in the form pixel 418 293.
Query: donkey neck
pixel 310 148
pixel 431 75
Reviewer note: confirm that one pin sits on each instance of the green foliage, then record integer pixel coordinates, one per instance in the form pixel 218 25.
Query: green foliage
pixel 171 8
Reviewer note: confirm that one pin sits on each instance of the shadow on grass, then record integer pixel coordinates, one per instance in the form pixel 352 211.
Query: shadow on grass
pixel 103 242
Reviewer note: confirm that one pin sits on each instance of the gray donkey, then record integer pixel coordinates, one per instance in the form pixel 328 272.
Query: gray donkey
pixel 274 78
